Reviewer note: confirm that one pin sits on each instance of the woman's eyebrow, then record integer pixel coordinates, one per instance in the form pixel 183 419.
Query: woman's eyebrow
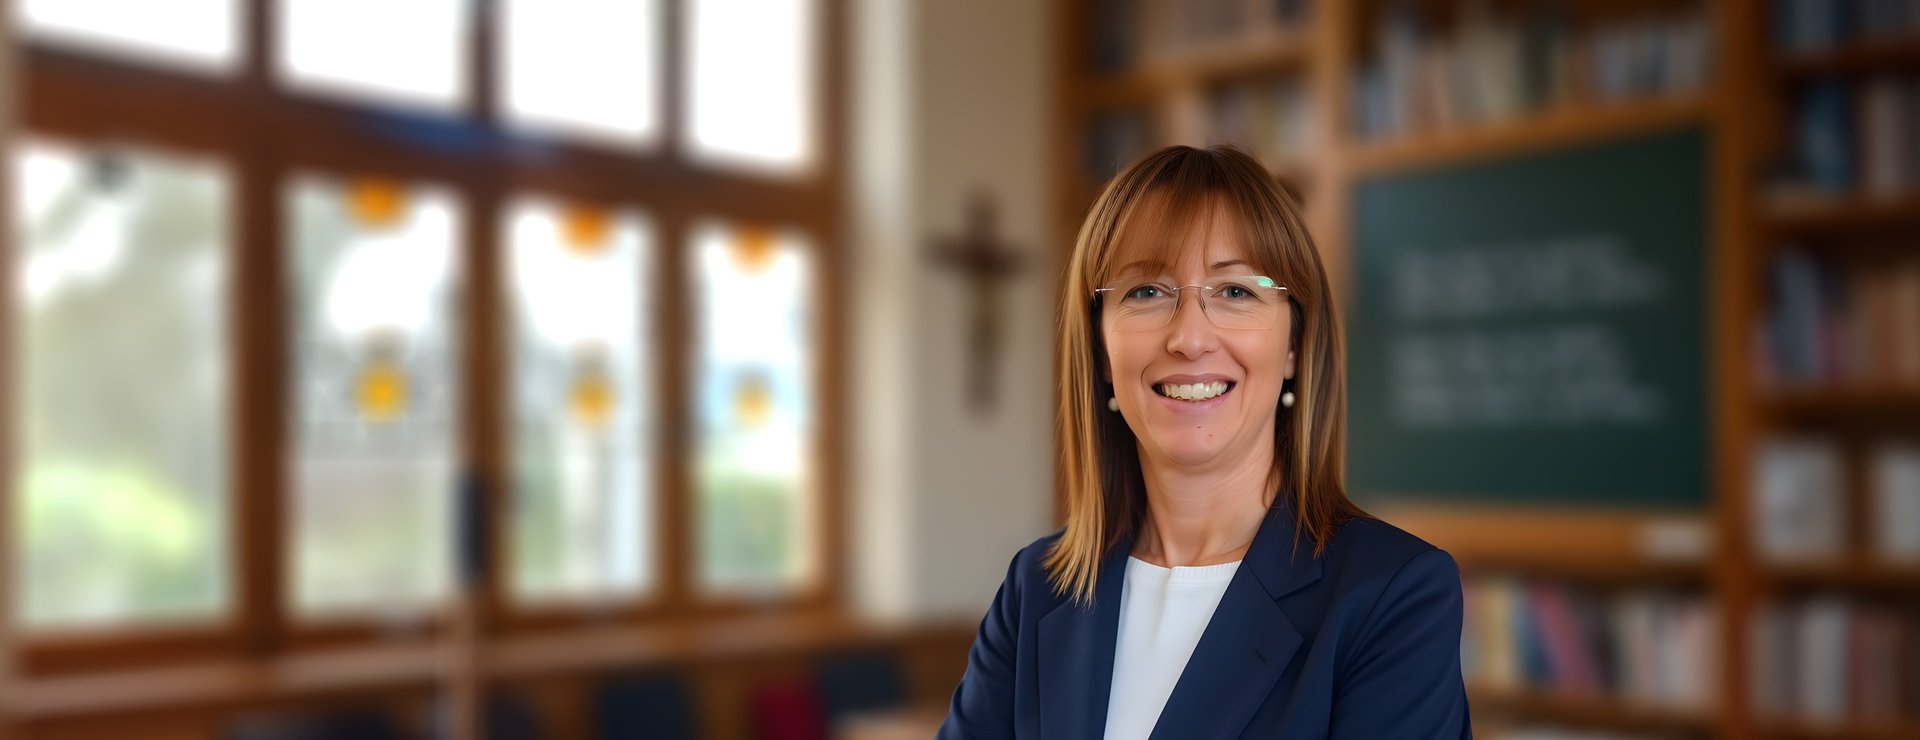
pixel 1127 268
pixel 1230 263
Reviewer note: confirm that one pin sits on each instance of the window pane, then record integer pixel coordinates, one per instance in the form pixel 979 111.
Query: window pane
pixel 583 66
pixel 754 465
pixel 194 33
pixel 376 393
pixel 120 407
pixel 406 51
pixel 750 82
pixel 582 403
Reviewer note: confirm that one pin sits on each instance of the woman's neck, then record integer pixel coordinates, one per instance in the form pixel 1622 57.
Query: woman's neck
pixel 1202 517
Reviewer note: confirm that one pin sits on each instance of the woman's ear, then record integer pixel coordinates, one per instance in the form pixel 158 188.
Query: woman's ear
pixel 1287 374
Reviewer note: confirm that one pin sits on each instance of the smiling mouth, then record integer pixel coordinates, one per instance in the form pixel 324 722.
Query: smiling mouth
pixel 1193 391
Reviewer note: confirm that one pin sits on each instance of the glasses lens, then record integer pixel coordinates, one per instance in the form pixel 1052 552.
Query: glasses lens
pixel 1243 302
pixel 1136 304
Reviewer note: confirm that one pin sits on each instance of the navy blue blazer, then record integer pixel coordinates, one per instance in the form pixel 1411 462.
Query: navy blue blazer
pixel 1360 642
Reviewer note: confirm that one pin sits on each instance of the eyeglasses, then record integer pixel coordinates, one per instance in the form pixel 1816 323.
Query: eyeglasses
pixel 1230 302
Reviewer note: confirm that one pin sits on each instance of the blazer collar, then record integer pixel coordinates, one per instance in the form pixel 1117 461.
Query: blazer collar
pixel 1246 646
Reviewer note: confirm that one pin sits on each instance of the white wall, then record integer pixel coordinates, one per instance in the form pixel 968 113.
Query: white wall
pixel 950 96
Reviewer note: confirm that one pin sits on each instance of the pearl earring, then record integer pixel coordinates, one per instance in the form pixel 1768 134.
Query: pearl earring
pixel 1286 399
pixel 1113 404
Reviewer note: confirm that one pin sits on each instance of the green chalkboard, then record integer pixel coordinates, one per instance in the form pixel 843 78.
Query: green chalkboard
pixel 1533 329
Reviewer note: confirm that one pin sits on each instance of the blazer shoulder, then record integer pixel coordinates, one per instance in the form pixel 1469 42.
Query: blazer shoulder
pixel 1375 546
pixel 1029 565
pixel 1026 575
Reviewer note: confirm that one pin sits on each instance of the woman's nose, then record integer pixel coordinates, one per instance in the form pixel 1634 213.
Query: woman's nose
pixel 1189 332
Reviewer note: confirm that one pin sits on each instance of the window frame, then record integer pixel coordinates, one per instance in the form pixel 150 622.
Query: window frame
pixel 264 131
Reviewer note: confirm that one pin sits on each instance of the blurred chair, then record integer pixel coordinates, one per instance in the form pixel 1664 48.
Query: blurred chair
pixel 787 709
pixel 864 682
pixel 512 718
pixel 653 705
pixel 361 723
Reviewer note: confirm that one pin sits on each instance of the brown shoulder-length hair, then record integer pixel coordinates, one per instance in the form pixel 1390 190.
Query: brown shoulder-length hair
pixel 1098 473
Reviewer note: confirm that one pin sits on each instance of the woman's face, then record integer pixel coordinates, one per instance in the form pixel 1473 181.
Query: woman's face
pixel 1220 431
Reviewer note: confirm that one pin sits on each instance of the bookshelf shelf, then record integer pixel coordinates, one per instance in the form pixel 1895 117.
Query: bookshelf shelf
pixel 1269 52
pixel 1793 728
pixel 1587 711
pixel 1804 216
pixel 1844 404
pixel 1857 574
pixel 1861 56
pixel 1588 546
pixel 1557 127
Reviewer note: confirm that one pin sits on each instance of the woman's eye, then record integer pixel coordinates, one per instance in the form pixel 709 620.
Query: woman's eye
pixel 1144 292
pixel 1235 292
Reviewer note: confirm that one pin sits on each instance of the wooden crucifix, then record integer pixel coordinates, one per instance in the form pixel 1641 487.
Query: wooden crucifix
pixel 987 263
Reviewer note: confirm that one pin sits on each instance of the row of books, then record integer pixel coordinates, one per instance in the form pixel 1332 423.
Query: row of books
pixel 1828 324
pixel 1859 136
pixel 1114 139
pixel 1828 658
pixel 1493 68
pixel 1801 501
pixel 1270 118
pixel 1648 647
pixel 1816 25
pixel 1128 32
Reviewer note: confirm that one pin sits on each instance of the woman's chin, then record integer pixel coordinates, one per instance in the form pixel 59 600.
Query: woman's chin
pixel 1191 450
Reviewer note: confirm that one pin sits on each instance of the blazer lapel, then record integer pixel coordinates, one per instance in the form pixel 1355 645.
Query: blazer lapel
pixel 1076 656
pixel 1247 644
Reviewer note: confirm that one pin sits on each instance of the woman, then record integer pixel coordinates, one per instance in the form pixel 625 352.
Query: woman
pixel 1212 579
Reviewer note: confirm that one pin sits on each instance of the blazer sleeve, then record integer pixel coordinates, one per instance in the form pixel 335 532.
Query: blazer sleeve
pixel 1404 677
pixel 983 703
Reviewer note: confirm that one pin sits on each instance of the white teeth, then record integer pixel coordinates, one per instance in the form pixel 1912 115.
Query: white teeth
pixel 1193 391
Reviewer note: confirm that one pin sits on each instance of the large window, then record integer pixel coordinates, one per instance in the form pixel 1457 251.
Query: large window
pixel 318 311
pixel 755 407
pixel 375 394
pixel 408 52
pixel 200 35
pixel 582 67
pixel 583 413
pixel 751 83
pixel 121 389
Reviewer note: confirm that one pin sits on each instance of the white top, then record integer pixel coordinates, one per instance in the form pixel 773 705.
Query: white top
pixel 1163 611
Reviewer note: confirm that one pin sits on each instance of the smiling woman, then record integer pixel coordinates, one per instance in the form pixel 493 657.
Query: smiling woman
pixel 1202 439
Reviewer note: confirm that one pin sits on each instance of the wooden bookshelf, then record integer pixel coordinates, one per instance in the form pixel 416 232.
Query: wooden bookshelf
pixel 1792 728
pixel 1895 404
pixel 1791 217
pixel 1862 574
pixel 1746 109
pixel 1265 52
pixel 1613 547
pixel 1864 56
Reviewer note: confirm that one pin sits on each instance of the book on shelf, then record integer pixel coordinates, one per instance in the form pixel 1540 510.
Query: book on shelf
pixel 1270 118
pixel 1855 136
pixel 1827 325
pixel 1799 511
pixel 1646 647
pixel 1813 26
pixel 1129 33
pixel 1113 139
pixel 1829 659
pixel 1492 67
pixel 1893 492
